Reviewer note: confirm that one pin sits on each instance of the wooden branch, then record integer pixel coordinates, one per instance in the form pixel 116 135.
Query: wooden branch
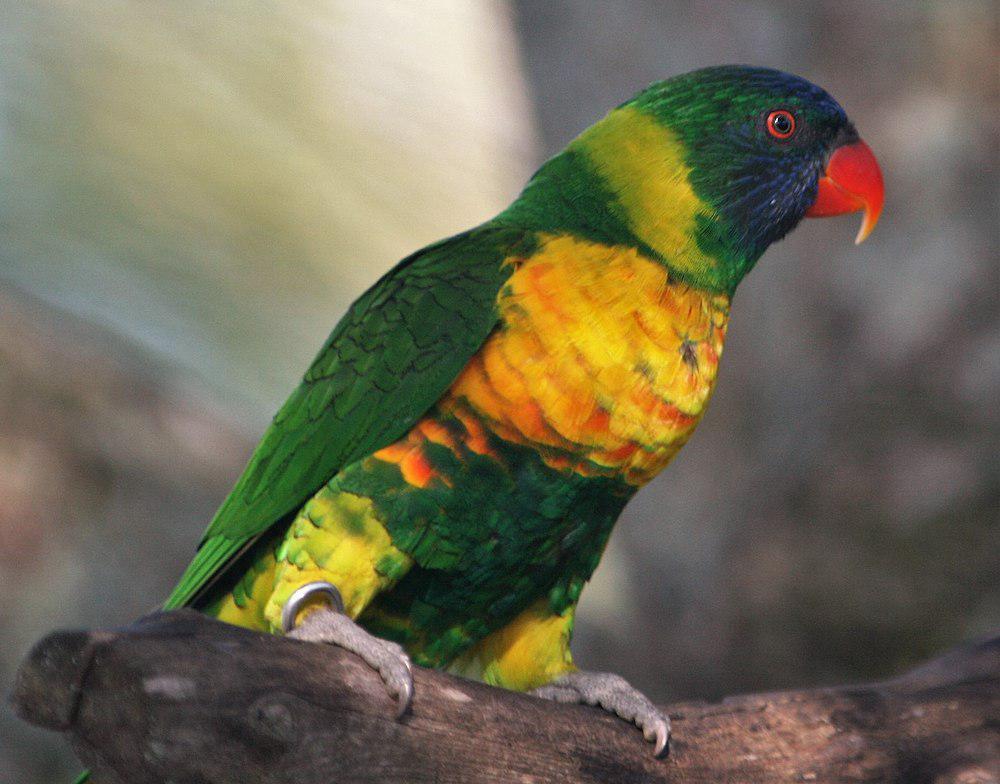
pixel 183 698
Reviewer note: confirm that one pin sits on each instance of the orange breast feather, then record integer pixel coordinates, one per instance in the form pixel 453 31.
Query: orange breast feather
pixel 600 361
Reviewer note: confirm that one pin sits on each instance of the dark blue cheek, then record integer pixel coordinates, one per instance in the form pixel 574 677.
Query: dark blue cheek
pixel 776 192
pixel 808 188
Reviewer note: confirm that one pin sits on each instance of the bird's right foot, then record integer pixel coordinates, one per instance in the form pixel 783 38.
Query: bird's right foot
pixel 615 695
pixel 332 626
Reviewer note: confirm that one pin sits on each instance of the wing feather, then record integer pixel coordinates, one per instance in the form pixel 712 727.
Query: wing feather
pixel 392 355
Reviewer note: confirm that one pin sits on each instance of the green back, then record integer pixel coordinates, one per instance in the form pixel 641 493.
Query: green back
pixel 393 354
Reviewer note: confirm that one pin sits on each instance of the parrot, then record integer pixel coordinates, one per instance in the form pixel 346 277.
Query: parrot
pixel 441 485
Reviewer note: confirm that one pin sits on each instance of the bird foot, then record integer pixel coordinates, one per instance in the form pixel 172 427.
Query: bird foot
pixel 615 695
pixel 387 658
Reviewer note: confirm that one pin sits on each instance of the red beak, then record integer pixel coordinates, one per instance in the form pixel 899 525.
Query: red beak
pixel 852 182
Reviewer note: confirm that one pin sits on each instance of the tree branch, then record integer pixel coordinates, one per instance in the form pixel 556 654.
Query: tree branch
pixel 183 698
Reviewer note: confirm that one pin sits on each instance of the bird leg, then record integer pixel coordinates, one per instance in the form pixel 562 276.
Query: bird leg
pixel 615 695
pixel 330 625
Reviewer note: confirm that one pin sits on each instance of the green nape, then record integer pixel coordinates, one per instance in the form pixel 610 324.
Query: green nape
pixel 627 181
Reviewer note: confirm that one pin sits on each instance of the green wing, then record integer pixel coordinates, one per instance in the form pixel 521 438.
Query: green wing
pixel 394 353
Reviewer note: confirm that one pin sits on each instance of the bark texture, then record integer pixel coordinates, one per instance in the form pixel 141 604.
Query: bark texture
pixel 179 697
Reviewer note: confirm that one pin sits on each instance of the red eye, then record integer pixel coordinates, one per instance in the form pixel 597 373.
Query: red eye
pixel 781 124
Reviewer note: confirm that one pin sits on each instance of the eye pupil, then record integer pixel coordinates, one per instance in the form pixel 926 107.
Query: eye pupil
pixel 781 124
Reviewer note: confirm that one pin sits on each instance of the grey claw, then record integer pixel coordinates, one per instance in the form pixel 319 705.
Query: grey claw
pixel 387 658
pixel 662 735
pixel 399 683
pixel 615 695
pixel 405 696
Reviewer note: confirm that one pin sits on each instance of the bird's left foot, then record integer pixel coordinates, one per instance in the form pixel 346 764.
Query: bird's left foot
pixel 330 625
pixel 617 696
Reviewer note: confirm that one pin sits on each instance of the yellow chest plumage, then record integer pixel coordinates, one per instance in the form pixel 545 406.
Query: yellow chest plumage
pixel 600 362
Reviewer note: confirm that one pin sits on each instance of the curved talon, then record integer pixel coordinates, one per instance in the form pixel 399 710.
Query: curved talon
pixel 400 685
pixel 662 735
pixel 405 696
pixel 614 694
pixel 333 627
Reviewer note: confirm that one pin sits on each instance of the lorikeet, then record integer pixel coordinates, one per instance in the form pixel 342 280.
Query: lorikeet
pixel 449 470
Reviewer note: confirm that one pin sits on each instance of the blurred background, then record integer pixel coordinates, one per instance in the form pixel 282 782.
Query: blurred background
pixel 191 193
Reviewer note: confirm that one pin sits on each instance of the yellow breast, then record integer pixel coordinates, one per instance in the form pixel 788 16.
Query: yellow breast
pixel 600 361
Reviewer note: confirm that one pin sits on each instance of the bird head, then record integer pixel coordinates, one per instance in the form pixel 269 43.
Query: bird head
pixel 707 169
pixel 765 149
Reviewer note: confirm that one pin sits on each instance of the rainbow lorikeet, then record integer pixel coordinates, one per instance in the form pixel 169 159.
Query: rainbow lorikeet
pixel 442 483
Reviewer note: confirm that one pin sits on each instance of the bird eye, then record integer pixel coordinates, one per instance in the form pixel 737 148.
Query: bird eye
pixel 781 124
